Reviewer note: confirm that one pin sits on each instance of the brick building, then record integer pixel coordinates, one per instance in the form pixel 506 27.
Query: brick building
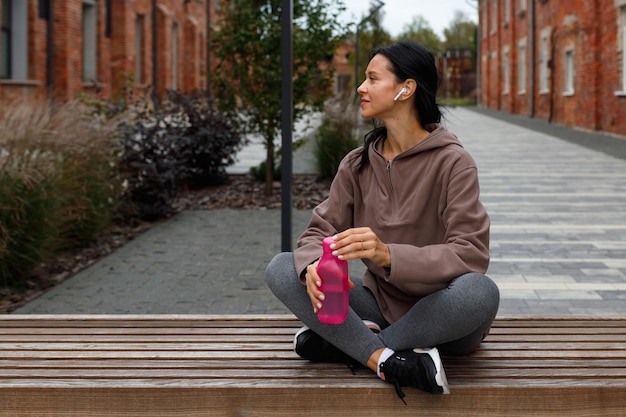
pixel 458 73
pixel 561 61
pixel 101 46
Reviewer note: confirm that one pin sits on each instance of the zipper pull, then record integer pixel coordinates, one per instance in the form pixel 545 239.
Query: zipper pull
pixel 388 165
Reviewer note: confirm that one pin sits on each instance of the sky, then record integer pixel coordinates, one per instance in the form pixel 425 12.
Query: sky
pixel 398 13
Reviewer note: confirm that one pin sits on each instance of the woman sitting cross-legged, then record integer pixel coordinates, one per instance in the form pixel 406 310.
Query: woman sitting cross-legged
pixel 407 204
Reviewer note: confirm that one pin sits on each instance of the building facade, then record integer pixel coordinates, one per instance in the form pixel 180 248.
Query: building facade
pixel 560 61
pixel 103 47
pixel 65 48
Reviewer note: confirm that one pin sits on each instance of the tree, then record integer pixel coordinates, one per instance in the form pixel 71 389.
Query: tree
pixel 247 79
pixel 461 34
pixel 370 35
pixel 419 30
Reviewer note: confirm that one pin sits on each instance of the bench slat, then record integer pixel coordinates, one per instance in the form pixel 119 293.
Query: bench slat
pixel 271 337
pixel 239 365
pixel 179 363
pixel 290 400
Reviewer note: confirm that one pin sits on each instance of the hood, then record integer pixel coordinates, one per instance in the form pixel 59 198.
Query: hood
pixel 439 137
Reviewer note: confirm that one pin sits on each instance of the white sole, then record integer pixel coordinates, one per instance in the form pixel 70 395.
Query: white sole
pixel 440 377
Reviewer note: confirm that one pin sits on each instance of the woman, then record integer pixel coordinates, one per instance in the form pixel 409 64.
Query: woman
pixel 406 204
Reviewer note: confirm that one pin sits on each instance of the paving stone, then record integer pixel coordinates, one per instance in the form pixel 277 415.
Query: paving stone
pixel 558 234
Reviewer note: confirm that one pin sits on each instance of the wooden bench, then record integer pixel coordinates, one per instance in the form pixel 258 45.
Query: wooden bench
pixel 244 366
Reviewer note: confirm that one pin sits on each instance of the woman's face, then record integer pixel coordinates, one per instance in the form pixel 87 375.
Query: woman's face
pixel 378 89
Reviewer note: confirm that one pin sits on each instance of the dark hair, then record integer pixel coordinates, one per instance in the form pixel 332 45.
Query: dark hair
pixel 409 60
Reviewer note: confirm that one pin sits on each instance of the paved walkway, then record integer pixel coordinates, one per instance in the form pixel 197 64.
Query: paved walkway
pixel 558 213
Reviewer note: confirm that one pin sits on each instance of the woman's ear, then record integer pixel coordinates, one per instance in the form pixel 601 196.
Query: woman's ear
pixel 411 86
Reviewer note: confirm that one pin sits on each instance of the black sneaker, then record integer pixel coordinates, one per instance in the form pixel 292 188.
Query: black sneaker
pixel 309 345
pixel 417 368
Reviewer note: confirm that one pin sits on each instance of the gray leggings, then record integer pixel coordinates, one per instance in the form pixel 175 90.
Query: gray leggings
pixel 454 319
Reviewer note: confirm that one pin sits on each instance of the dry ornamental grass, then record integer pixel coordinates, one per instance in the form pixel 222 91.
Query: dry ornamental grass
pixel 241 192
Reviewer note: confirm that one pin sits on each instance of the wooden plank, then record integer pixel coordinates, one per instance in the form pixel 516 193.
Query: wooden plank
pixel 313 401
pixel 371 382
pixel 128 337
pixel 211 345
pixel 302 373
pixel 135 321
pixel 183 330
pixel 68 364
pixel 165 363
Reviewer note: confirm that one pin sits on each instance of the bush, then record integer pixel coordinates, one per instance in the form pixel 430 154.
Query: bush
pixel 28 234
pixel 335 137
pixel 58 187
pixel 179 141
pixel 258 172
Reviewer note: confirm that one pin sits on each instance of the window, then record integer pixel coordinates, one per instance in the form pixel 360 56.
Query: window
pixel 521 68
pixel 494 15
pixel 108 18
pixel 44 9
pixel 139 49
pixel 174 56
pixel 623 30
pixel 522 5
pixel 544 51
pixel 90 56
pixel 5 64
pixel 507 11
pixel 484 22
pixel 506 71
pixel 342 84
pixel 569 73
pixel 14 59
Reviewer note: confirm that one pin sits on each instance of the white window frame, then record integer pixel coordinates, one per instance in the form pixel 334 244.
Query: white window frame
pixel 15 59
pixel 521 68
pixel 569 72
pixel 90 41
pixel 506 71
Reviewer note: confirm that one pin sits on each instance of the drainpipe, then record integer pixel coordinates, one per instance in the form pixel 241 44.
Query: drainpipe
pixel 531 46
pixel 50 51
pixel 552 61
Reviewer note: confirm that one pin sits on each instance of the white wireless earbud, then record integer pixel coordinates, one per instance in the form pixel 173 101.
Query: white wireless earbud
pixel 403 91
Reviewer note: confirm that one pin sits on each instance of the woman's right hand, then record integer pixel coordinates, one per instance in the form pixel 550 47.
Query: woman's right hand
pixel 313 283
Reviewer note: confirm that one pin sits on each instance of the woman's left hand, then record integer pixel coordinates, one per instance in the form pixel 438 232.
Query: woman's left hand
pixel 361 243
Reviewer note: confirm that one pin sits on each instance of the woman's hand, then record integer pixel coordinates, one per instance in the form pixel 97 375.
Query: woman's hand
pixel 313 283
pixel 361 243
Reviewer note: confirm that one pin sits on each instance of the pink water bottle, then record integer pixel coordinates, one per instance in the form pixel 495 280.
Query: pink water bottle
pixel 334 275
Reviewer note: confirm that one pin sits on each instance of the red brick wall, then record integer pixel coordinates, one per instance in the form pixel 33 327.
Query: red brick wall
pixel 589 28
pixel 116 54
pixel 611 108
